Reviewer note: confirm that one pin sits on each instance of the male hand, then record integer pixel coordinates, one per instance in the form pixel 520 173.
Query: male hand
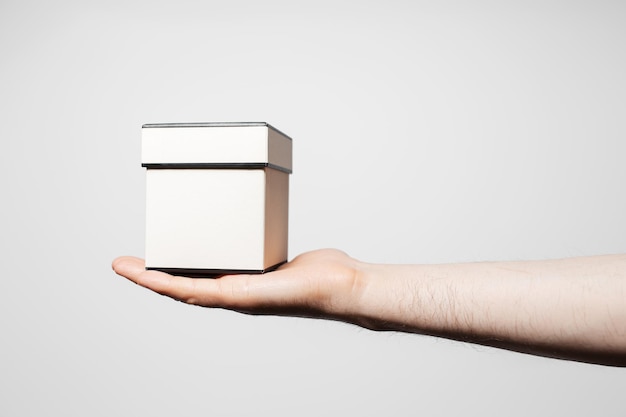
pixel 322 283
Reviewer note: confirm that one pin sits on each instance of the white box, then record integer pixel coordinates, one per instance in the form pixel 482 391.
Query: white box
pixel 217 197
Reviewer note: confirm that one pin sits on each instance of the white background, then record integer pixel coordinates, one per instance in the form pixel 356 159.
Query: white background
pixel 423 132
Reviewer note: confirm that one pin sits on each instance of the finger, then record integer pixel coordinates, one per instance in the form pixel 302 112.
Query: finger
pixel 128 267
pixel 188 290
pixel 239 292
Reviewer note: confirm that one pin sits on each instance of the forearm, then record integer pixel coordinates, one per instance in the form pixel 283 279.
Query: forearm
pixel 572 308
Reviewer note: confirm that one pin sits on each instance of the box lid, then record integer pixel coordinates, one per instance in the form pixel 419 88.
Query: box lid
pixel 217 145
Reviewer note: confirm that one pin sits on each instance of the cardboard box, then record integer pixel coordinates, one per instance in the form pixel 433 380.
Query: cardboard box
pixel 217 197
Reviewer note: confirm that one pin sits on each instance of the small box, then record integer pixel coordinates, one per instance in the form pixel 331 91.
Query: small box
pixel 217 197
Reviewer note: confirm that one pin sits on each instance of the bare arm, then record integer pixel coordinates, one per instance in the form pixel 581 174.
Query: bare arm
pixel 571 308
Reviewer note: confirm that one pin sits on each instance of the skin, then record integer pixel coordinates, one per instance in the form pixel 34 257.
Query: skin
pixel 569 308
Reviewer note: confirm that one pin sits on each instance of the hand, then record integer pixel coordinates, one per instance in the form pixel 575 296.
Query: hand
pixel 323 283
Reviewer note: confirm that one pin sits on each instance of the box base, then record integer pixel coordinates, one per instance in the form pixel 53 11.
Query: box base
pixel 213 273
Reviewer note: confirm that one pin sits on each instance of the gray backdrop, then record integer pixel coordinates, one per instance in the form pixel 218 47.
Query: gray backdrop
pixel 424 132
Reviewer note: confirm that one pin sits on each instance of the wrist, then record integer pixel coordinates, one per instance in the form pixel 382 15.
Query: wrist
pixel 385 297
